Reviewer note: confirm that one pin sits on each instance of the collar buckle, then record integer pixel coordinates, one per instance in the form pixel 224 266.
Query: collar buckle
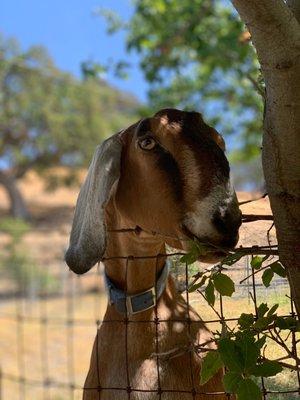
pixel 140 302
pixel 136 303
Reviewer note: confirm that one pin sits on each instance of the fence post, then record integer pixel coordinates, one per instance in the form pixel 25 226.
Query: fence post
pixel 1 379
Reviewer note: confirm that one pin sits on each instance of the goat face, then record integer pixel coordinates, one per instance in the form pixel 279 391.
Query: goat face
pixel 175 180
pixel 167 174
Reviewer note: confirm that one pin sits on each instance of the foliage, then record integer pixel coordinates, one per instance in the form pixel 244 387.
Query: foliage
pixel 196 55
pixel 15 262
pixel 50 118
pixel 241 350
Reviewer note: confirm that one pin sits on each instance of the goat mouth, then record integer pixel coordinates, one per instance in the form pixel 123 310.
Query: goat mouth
pixel 214 252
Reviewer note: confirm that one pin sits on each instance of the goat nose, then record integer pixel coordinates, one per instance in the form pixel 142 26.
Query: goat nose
pixel 227 222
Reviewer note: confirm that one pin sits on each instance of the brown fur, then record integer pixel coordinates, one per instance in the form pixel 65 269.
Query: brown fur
pixel 155 190
pixel 108 361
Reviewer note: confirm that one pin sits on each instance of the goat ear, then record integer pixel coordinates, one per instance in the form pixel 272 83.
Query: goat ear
pixel 88 234
pixel 218 139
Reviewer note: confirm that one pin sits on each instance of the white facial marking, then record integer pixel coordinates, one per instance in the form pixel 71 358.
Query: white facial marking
pixel 199 220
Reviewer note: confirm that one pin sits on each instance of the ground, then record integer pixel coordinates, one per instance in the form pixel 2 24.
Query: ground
pixel 49 338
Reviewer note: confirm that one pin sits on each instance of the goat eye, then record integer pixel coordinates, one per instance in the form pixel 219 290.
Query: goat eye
pixel 147 143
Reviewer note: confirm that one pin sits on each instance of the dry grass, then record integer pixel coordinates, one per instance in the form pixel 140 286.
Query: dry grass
pixel 52 351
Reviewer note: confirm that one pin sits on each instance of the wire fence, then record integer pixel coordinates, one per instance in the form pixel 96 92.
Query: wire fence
pixel 46 334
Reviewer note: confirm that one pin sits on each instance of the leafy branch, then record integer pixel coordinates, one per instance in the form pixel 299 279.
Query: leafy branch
pixel 241 350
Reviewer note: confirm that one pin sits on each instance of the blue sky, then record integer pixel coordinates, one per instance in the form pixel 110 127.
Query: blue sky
pixel 71 33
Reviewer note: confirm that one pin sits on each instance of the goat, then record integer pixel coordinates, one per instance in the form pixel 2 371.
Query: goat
pixel 167 174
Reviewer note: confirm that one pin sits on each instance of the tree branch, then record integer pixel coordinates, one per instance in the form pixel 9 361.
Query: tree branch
pixel 273 27
pixel 241 203
pixel 42 159
pixel 256 86
pixel 256 217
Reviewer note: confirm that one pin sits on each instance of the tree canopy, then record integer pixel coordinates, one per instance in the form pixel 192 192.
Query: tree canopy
pixel 50 118
pixel 196 55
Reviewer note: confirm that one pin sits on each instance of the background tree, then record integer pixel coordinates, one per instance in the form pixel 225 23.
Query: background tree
pixel 196 55
pixel 49 118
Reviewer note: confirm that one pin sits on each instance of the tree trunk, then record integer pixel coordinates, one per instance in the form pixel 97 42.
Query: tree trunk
pixel 275 32
pixel 18 207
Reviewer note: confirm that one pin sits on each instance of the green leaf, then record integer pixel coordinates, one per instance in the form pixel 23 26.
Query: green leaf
pixel 262 309
pixel 267 277
pixel 203 249
pixel 246 320
pixel 189 258
pixel 261 342
pixel 272 310
pixel 249 351
pixel 263 320
pixel 198 285
pixel 248 390
pixel 267 368
pixel 231 381
pixel 196 250
pixel 278 269
pixel 210 366
pixel 210 293
pixel 223 284
pixel 232 258
pixel 230 355
pixel 282 323
pixel 287 323
pixel 256 262
pixel 261 324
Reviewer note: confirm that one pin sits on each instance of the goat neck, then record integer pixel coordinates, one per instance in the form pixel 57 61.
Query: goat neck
pixel 131 275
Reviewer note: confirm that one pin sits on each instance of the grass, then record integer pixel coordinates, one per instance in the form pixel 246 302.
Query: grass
pixel 46 349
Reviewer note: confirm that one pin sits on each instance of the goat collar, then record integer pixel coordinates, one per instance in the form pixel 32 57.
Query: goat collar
pixel 139 302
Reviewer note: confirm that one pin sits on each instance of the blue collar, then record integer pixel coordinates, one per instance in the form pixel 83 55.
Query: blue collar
pixel 139 302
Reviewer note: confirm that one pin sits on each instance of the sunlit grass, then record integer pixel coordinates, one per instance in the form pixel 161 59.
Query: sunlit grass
pixel 52 343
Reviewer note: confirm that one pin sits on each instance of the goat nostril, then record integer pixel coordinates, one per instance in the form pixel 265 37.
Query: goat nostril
pixel 219 223
pixel 230 242
pixel 227 222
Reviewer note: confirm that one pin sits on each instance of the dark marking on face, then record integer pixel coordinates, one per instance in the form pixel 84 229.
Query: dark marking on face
pixel 168 165
pixel 205 148
pixel 164 159
pixel 207 153
pixel 143 127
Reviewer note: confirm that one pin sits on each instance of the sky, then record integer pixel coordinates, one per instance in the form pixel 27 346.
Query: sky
pixel 72 34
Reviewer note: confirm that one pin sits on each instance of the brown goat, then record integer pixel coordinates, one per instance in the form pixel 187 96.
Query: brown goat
pixel 167 174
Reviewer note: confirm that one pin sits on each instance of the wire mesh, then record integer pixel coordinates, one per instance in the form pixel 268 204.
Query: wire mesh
pixel 69 384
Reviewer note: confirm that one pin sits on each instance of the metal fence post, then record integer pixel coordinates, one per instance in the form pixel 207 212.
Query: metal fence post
pixel 1 382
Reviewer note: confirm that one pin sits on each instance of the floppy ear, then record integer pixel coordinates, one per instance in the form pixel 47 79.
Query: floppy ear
pixel 88 234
